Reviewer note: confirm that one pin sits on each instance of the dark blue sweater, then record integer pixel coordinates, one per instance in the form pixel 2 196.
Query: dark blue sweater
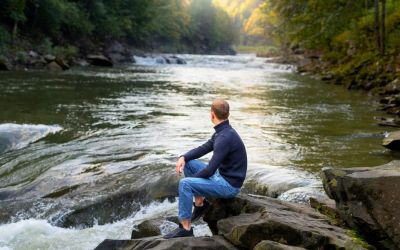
pixel 229 155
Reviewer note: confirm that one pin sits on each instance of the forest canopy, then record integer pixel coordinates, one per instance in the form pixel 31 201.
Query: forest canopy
pixel 193 25
pixel 205 26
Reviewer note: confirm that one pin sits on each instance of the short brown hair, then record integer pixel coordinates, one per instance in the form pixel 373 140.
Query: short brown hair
pixel 220 108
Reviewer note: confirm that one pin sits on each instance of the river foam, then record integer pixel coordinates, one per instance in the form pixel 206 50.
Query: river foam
pixel 40 234
pixel 16 136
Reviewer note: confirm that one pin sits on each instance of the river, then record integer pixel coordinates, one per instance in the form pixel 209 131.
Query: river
pixel 75 145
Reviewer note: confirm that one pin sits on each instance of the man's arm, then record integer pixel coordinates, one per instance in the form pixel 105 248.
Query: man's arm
pixel 200 151
pixel 221 149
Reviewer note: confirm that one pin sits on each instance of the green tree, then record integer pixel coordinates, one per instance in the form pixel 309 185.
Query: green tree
pixel 15 9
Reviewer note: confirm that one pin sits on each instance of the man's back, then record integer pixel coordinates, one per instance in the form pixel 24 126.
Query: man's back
pixel 234 166
pixel 229 155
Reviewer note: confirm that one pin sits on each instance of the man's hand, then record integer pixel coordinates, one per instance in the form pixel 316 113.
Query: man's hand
pixel 180 165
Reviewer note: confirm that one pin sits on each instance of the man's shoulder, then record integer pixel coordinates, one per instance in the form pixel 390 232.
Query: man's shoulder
pixel 229 134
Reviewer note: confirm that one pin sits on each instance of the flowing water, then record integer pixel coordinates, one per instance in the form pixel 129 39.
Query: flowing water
pixel 88 153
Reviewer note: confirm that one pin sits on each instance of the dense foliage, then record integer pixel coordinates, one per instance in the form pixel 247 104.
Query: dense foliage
pixel 175 24
pixel 354 43
pixel 335 26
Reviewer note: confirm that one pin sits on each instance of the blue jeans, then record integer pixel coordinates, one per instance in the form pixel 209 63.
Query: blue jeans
pixel 215 186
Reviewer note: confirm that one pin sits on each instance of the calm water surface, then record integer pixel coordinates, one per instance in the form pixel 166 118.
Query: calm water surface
pixel 93 132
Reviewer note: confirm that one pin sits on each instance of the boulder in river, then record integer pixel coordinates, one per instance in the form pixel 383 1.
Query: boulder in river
pixel 62 63
pixel 369 200
pixel 153 227
pixel 4 65
pixel 119 53
pixel 37 62
pixel 392 140
pixel 146 229
pixel 49 58
pixel 388 122
pixel 33 54
pixel 53 66
pixel 174 60
pixel 99 60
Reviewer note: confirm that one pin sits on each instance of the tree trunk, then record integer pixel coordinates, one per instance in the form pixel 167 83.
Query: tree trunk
pixel 15 32
pixel 376 29
pixel 383 42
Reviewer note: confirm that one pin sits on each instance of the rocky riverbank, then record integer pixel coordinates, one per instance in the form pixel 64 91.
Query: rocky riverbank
pixel 253 222
pixel 113 54
pixel 367 199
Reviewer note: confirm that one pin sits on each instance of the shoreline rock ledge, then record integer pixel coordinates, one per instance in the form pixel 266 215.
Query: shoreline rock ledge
pixel 368 199
pixel 255 222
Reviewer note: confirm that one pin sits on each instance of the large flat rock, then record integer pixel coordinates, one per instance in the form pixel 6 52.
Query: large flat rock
pixel 198 243
pixel 246 221
pixel 368 199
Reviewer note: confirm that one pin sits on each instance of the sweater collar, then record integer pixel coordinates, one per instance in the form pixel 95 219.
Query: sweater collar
pixel 221 126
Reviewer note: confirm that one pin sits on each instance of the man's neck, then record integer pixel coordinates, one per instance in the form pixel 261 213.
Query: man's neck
pixel 217 122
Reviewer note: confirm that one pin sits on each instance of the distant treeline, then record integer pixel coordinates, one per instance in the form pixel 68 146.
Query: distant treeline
pixel 176 25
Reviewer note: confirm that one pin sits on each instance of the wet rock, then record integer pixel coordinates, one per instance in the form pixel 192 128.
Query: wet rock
pixel 387 107
pixel 385 100
pixel 272 245
pixel 154 227
pixel 120 205
pixel 188 243
pixel 246 221
pixel 118 53
pixel 4 65
pixel 147 228
pixel 327 77
pixel 167 187
pixel 174 60
pixel 53 66
pixel 33 54
pixel 368 199
pixel 116 47
pixel 393 110
pixel 392 140
pixel 100 201
pixel 49 58
pixel 62 63
pixel 391 88
pixel 328 208
pixel 117 206
pixel 81 62
pixel 388 122
pixel 37 62
pixel 391 100
pixel 99 60
pixel 161 60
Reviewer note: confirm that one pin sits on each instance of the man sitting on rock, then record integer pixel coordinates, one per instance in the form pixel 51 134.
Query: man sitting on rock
pixel 221 178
